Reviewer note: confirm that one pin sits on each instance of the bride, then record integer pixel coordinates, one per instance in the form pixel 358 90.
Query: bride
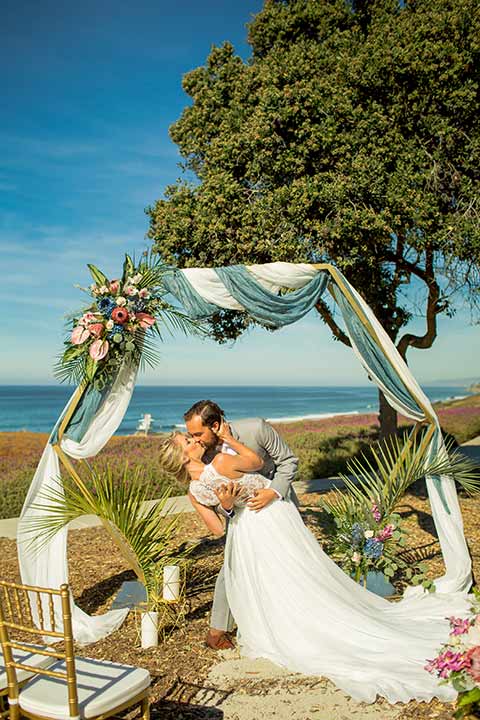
pixel 293 605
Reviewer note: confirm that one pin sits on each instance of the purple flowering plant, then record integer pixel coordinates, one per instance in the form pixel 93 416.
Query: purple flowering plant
pixel 458 660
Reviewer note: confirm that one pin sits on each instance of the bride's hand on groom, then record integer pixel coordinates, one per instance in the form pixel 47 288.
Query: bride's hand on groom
pixel 224 433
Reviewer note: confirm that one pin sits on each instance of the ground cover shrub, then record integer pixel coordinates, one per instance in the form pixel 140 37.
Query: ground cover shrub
pixel 323 446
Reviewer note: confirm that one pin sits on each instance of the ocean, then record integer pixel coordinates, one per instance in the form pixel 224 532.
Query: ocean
pixel 37 407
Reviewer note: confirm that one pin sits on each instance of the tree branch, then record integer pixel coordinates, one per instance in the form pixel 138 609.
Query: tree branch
pixel 433 309
pixel 326 316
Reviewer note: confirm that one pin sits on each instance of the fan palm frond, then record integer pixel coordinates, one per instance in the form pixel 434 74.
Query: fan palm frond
pixel 394 466
pixel 143 525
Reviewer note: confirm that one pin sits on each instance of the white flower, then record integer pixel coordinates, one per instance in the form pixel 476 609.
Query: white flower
pixel 143 293
pixel 121 301
pixel 103 290
pixel 109 325
pixel 356 557
pixel 368 533
pixel 136 278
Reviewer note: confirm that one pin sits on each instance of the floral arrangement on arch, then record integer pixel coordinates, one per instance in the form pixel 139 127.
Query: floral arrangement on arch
pixel 458 662
pixel 118 325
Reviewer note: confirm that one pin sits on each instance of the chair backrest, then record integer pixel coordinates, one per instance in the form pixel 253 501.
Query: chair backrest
pixel 29 610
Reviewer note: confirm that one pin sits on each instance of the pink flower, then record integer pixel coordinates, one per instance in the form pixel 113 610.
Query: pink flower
pixel 459 626
pixel 448 662
pixel 79 335
pixel 473 659
pixel 377 515
pixel 143 293
pixel 145 320
pixel 96 329
pixel 120 315
pixel 130 290
pixel 87 318
pixel 385 533
pixel 98 349
pixel 114 286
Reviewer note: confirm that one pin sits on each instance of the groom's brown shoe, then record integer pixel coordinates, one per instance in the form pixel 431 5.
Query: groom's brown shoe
pixel 219 641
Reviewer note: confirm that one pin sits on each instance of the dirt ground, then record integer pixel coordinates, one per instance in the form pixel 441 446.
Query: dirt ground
pixel 187 676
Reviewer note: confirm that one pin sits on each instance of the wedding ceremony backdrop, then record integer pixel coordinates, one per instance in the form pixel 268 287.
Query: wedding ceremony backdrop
pixel 109 339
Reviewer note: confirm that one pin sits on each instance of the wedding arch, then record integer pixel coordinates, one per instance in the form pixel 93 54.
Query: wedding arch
pixel 274 294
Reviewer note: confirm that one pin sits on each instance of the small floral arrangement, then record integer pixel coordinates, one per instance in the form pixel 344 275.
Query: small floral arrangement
pixel 458 662
pixel 369 540
pixel 116 325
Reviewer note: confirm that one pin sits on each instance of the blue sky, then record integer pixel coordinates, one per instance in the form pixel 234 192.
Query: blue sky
pixel 89 94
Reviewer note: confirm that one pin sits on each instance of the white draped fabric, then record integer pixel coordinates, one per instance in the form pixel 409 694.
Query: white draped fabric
pixel 46 565
pixel 274 276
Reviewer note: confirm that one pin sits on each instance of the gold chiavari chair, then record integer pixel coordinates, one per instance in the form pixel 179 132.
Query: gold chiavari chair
pixel 70 688
pixel 31 657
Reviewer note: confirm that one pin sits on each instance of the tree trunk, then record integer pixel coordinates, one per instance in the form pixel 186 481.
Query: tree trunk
pixel 387 418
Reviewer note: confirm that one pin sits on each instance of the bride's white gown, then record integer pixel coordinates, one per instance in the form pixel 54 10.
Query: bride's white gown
pixel 295 606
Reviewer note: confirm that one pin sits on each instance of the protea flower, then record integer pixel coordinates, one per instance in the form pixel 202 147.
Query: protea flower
pixel 120 315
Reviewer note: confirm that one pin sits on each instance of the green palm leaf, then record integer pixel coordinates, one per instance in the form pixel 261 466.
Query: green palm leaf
pixel 144 526
pixel 394 466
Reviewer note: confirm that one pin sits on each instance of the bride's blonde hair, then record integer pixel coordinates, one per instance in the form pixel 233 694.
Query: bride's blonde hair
pixel 172 458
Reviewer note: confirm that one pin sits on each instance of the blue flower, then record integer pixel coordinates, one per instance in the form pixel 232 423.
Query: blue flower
pixel 106 306
pixel 373 548
pixel 357 534
pixel 116 329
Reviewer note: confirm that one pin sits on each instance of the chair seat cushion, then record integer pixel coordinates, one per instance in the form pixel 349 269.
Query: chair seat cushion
pixel 102 686
pixel 26 658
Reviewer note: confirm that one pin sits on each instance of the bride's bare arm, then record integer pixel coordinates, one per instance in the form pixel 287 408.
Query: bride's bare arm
pixel 233 466
pixel 209 517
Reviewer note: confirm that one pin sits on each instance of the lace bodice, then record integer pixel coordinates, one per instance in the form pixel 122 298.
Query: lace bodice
pixel 203 488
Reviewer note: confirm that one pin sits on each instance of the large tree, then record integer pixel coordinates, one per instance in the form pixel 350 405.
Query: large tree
pixel 350 136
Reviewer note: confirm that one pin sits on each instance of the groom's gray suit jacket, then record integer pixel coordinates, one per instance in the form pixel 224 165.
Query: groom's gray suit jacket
pixel 279 463
pixel 279 466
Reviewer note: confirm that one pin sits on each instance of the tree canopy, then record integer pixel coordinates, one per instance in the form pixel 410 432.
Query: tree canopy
pixel 351 136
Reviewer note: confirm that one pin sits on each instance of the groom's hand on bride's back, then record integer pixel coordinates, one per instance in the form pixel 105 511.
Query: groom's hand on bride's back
pixel 261 498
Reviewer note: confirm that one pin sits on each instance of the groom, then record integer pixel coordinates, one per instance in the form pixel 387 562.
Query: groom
pixel 203 421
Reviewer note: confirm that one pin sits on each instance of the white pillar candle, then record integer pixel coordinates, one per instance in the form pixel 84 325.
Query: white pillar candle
pixel 149 629
pixel 171 582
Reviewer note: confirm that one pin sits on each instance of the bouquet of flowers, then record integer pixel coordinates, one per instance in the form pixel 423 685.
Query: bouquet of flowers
pixel 115 327
pixel 458 662
pixel 368 533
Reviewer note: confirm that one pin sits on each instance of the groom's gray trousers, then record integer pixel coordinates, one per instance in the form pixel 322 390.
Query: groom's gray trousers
pixel 280 466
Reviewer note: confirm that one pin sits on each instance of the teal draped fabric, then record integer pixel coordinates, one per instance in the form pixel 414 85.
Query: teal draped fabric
pixel 375 360
pixel 83 415
pixel 265 307
pixel 371 352
pixel 194 305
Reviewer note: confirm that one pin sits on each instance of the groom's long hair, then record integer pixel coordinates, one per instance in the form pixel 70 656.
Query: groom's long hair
pixel 208 410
